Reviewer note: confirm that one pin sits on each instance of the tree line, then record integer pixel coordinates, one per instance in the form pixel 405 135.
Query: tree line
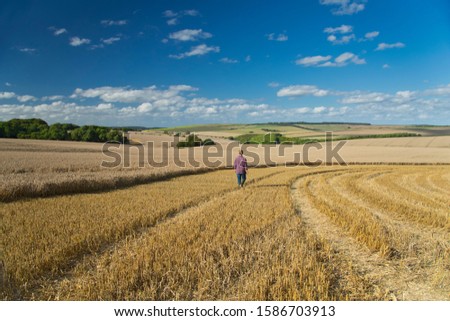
pixel 38 129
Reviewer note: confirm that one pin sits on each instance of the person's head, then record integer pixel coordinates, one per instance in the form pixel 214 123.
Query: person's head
pixel 241 152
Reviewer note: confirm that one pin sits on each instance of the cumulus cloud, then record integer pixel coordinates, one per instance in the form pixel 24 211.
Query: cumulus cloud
pixel 103 106
pixel 157 105
pixel 363 98
pixel 319 110
pixel 342 29
pixel 339 35
pixel 173 17
pixel 302 90
pixel 7 95
pixel 371 35
pixel 279 37
pixel 25 98
pixel 325 61
pixel 312 61
pixel 58 31
pixel 199 50
pixel 440 91
pixel 190 35
pixel 111 40
pixel 343 60
pixel 344 7
pixel 52 98
pixel 77 41
pixel 109 23
pixel 342 40
pixel 384 46
pixel 126 95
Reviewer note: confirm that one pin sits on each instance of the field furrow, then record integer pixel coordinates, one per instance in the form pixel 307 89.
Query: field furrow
pixel 420 269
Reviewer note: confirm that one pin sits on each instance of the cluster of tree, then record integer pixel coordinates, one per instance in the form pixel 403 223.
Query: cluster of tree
pixel 193 141
pixel 38 129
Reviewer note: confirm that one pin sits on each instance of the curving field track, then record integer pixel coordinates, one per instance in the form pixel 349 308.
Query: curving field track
pixel 327 233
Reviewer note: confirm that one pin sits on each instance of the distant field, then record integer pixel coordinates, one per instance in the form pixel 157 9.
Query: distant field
pixel 307 129
pixel 328 233
pixel 44 168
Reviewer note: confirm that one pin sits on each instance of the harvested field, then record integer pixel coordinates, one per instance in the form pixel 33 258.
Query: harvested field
pixel 45 168
pixel 327 233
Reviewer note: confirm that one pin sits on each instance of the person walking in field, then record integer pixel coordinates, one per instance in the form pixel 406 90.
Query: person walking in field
pixel 241 168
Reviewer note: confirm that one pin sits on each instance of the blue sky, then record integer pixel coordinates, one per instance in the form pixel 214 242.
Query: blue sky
pixel 165 63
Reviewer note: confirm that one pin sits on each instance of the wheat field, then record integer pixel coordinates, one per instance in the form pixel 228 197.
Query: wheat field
pixel 33 168
pixel 293 233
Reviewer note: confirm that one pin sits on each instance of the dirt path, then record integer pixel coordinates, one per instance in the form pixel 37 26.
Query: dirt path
pixel 392 277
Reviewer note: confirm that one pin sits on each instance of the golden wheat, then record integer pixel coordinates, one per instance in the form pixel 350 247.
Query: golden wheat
pixel 200 237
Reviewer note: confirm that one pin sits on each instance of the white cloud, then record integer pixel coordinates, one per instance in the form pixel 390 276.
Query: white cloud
pixel 303 110
pixel 7 84
pixel 7 95
pixel 248 58
pixel 302 90
pixel 386 66
pixel 174 17
pixel 227 60
pixel 371 35
pixel 325 61
pixel 58 31
pixel 279 37
pixel 342 29
pixel 190 35
pixel 319 110
pixel 199 50
pixel 312 61
pixel 153 105
pixel 111 40
pixel 339 41
pixel 344 7
pixel 384 46
pixel 126 95
pixel 172 22
pixel 25 98
pixel 442 90
pixel 110 23
pixel 343 60
pixel 103 106
pixel 169 14
pixel 52 98
pixel 77 41
pixel 363 98
pixel 145 108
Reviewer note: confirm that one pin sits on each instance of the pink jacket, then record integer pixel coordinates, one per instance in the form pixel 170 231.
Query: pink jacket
pixel 240 165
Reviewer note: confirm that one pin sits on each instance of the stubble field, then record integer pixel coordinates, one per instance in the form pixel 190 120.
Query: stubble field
pixel 372 232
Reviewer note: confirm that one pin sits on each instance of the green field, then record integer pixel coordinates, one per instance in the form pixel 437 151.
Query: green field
pixel 299 132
